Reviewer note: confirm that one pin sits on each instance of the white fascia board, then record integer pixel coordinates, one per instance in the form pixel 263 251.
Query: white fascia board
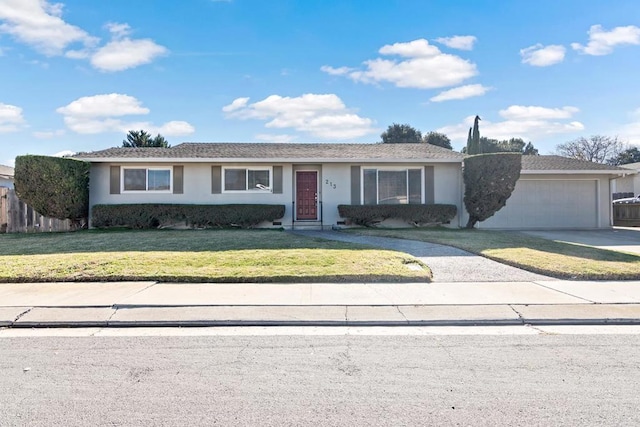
pixel 257 160
pixel 575 172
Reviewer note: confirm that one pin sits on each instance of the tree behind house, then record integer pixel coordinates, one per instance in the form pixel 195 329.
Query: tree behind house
pixel 630 155
pixel 439 139
pixel 396 134
pixel 144 139
pixel 596 148
pixel 473 140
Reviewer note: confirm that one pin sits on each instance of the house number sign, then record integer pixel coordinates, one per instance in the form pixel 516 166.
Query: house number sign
pixel 331 184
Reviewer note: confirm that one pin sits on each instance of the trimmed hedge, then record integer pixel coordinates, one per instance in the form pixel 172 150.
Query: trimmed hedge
pixel 196 216
pixel 368 215
pixel 55 187
pixel 489 180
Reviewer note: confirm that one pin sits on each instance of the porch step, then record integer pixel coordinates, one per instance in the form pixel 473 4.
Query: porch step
pixel 309 225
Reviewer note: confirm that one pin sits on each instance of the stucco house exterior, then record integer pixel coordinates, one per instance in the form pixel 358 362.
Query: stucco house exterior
pixel 311 180
pixel 629 183
pixel 6 176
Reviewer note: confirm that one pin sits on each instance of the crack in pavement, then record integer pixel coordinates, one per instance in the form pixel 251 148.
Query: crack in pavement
pixel 402 314
pixel 524 321
pixel 22 314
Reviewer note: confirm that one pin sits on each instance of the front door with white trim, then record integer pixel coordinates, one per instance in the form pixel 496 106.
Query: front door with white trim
pixel 306 195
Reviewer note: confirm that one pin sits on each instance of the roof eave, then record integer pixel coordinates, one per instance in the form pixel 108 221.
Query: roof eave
pixel 574 172
pixel 259 160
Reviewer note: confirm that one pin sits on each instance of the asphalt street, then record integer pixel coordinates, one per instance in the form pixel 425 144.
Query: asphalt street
pixel 539 380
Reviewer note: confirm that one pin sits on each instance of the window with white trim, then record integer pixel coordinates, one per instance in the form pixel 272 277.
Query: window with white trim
pixel 246 179
pixel 157 179
pixel 391 186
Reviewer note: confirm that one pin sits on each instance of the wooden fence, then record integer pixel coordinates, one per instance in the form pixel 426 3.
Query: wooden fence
pixel 18 217
pixel 626 214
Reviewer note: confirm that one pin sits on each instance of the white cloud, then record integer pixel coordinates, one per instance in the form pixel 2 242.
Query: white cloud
pixel 521 112
pixel 237 104
pixel 122 54
pixel 48 134
pixel 528 123
pixel 319 115
pixel 602 42
pixel 426 67
pixel 458 42
pixel 108 105
pixel 461 92
pixel 64 153
pixel 542 56
pixel 40 24
pixel 340 71
pixel 11 119
pixel 101 113
pixel 117 30
pixel 630 132
pixel 419 48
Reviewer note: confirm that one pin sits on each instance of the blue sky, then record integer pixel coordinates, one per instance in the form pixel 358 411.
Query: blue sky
pixel 78 74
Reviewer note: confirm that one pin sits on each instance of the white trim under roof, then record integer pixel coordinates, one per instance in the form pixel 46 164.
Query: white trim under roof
pixel 576 172
pixel 260 160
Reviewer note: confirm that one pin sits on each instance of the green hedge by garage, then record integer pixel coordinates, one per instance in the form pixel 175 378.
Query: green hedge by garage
pixel 196 216
pixel 368 215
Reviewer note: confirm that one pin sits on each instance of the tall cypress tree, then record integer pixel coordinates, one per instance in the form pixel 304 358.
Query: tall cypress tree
pixel 473 140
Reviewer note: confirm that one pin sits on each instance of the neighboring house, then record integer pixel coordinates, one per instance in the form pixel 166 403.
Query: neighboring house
pixel 311 180
pixel 629 183
pixel 6 176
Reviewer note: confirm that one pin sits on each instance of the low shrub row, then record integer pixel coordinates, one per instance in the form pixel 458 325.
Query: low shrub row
pixel 368 215
pixel 195 216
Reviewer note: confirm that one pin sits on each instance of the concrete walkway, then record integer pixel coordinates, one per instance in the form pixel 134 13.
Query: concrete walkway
pixel 447 264
pixel 144 304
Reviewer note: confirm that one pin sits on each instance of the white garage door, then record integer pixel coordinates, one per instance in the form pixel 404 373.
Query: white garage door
pixel 548 204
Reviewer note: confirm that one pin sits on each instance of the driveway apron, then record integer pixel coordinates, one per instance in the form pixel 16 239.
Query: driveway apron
pixel 447 264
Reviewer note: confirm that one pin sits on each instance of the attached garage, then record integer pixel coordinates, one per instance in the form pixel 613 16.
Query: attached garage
pixel 558 192
pixel 549 203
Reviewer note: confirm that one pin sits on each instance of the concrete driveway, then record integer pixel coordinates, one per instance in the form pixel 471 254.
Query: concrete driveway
pixel 623 239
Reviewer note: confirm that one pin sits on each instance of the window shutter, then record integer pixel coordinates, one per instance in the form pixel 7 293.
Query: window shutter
pixel 429 186
pixel 355 185
pixel 114 180
pixel 277 180
pixel 178 179
pixel 216 179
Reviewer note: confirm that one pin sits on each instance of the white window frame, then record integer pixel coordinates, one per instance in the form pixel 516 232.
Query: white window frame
pixel 147 169
pixel 406 169
pixel 246 183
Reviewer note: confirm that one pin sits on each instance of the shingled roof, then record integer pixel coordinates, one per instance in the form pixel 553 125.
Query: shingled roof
pixel 565 164
pixel 6 171
pixel 281 152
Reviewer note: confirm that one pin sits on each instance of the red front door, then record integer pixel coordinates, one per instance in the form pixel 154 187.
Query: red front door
pixel 306 195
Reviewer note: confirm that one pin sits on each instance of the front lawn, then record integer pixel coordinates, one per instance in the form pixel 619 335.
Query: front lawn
pixel 554 259
pixel 198 256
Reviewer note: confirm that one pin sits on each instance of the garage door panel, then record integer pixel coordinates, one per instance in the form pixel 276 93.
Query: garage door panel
pixel 548 204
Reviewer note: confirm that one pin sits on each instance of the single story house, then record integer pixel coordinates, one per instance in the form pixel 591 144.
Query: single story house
pixel 6 176
pixel 311 180
pixel 629 183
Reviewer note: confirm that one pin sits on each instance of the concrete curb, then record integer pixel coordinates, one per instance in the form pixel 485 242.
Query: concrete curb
pixel 337 315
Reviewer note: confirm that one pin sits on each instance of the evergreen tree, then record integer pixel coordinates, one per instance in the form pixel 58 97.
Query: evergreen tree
pixel 473 141
pixel 144 139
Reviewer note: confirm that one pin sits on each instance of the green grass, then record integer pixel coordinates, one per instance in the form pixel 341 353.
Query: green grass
pixel 551 258
pixel 198 256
